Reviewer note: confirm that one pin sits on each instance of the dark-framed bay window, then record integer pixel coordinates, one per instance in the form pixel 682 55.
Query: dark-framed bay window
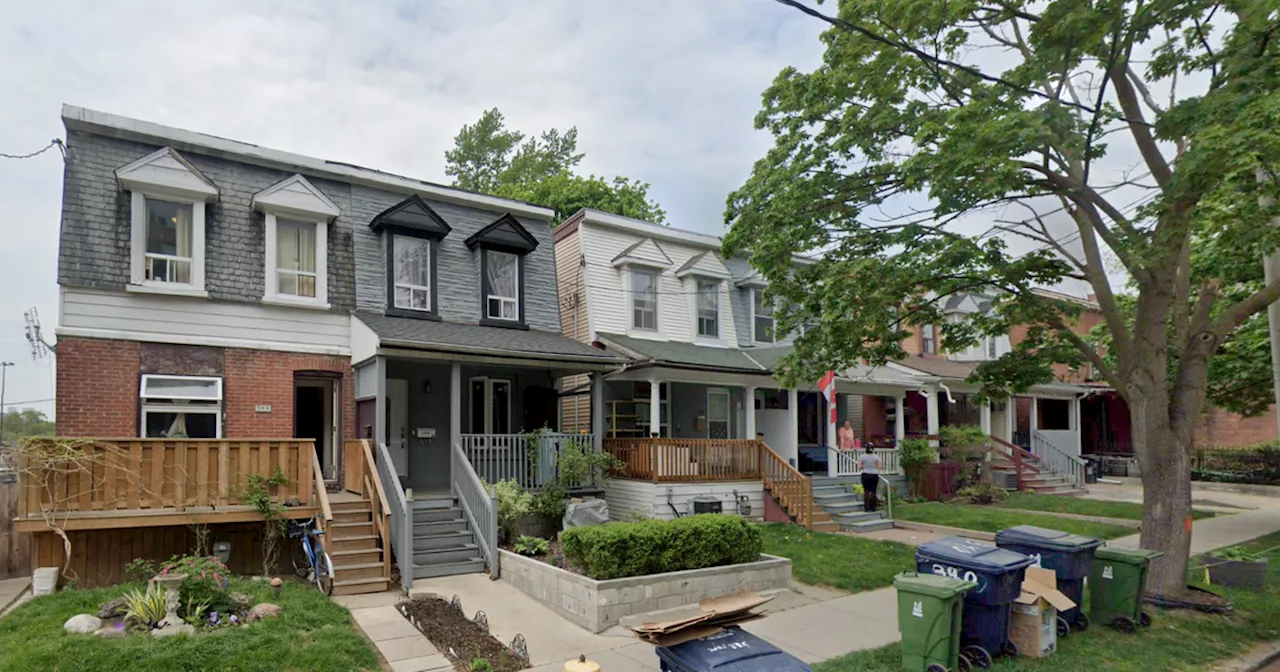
pixel 412 232
pixel 502 247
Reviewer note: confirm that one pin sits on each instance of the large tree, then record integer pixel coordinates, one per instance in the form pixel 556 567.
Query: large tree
pixel 947 146
pixel 488 157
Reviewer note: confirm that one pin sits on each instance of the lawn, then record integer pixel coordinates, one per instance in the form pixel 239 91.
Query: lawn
pixel 312 633
pixel 848 563
pixel 1177 640
pixel 1031 501
pixel 984 519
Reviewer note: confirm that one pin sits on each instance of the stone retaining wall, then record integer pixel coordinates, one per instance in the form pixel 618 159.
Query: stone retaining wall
pixel 597 605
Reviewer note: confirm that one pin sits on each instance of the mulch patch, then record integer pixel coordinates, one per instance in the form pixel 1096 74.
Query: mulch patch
pixel 554 557
pixel 459 637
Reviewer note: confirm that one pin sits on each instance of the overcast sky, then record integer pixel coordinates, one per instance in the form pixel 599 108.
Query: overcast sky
pixel 660 90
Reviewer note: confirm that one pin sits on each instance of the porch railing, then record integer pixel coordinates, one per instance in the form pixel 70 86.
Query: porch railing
pixel 360 475
pixel 663 460
pixel 86 477
pixel 401 517
pixel 792 489
pixel 529 459
pixel 1056 460
pixel 480 509
pixel 1025 464
pixel 847 463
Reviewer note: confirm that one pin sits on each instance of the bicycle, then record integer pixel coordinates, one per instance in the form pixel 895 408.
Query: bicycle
pixel 312 563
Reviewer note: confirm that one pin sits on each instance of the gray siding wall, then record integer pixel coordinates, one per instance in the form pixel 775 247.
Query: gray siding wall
pixel 95 251
pixel 457 265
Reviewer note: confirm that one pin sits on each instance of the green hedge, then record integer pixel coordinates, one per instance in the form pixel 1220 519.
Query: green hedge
pixel 617 550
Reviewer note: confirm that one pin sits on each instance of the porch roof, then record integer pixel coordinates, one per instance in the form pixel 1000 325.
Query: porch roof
pixel 473 339
pixel 677 354
pixel 939 366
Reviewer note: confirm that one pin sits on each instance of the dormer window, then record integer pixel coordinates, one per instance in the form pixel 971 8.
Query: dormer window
pixel 991 347
pixel 762 324
pixel 167 221
pixel 502 246
pixel 296 218
pixel 413 233
pixel 705 273
pixel 644 299
pixel 709 308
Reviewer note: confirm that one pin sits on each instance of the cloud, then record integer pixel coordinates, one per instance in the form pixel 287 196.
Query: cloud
pixel 661 90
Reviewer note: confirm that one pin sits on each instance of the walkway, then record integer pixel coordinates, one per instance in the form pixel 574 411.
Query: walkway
pixel 402 645
pixel 1212 533
pixel 1207 498
pixel 10 591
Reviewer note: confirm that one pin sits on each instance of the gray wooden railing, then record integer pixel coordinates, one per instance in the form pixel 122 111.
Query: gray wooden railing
pixel 480 509
pixel 1056 460
pixel 401 517
pixel 529 459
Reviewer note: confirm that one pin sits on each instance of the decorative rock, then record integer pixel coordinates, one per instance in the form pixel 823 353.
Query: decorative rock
pixel 276 584
pixel 242 601
pixel 171 630
pixel 82 624
pixel 112 608
pixel 261 611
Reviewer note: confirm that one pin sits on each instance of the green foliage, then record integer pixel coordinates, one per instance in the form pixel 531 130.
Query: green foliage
pixel 26 422
pixel 983 493
pixel 1238 554
pixel 139 570
pixel 637 515
pixel 987 520
pixel 962 436
pixel 616 550
pixel 514 503
pixel 481 665
pixel 489 158
pixel 145 608
pixel 527 545
pixel 257 493
pixel 206 582
pixel 551 502
pixel 915 453
pixel 1259 463
pixel 848 563
pixel 579 464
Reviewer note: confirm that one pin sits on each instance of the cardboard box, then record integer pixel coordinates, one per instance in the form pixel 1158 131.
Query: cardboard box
pixel 1033 618
pixel 712 616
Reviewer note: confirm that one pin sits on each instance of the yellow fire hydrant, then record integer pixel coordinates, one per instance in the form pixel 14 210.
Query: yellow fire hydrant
pixel 581 665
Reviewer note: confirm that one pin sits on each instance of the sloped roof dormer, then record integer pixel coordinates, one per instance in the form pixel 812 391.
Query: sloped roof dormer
pixel 505 234
pixel 414 215
pixel 296 197
pixel 705 265
pixel 644 253
pixel 166 172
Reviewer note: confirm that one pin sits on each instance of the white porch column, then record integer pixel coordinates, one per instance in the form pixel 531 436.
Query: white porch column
pixel 793 421
pixel 380 404
pixel 455 405
pixel 597 409
pixel 832 443
pixel 932 416
pixel 1035 411
pixel 984 417
pixel 749 408
pixel 1076 425
pixel 655 407
pixel 1011 417
pixel 900 420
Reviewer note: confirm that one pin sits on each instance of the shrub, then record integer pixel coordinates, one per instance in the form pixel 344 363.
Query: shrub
pixel 206 581
pixel 916 453
pixel 145 608
pixel 616 550
pixel 139 570
pixel 962 436
pixel 551 503
pixel 527 545
pixel 983 493
pixel 514 503
pixel 1237 553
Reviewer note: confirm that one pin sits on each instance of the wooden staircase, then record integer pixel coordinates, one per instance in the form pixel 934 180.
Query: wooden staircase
pixel 360 563
pixel 793 491
pixel 1028 471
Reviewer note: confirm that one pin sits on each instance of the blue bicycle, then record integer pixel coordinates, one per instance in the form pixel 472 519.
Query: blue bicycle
pixel 311 562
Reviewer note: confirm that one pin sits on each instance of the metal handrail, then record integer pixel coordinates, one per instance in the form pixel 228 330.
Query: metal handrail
pixel 888 494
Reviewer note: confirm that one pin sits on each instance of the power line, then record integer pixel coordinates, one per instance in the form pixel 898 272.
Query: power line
pixel 29 401
pixel 56 142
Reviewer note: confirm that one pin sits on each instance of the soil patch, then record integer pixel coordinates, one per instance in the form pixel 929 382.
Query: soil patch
pixel 554 557
pixel 462 639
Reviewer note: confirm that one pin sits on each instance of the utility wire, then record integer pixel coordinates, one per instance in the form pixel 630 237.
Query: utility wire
pixel 56 142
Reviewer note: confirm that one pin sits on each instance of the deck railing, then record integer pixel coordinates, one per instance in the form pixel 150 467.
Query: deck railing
pixel 361 477
pixel 401 517
pixel 88 477
pixel 847 463
pixel 480 509
pixel 686 460
pixel 792 489
pixel 529 459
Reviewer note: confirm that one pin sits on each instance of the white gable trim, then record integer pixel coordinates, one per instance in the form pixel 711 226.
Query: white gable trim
pixel 707 265
pixel 164 173
pixel 296 197
pixel 646 253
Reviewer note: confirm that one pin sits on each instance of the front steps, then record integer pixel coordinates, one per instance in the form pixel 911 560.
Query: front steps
pixel 443 544
pixel 836 498
pixel 1036 480
pixel 358 563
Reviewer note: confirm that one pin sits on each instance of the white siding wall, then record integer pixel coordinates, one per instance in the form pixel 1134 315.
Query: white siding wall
pixel 176 319
pixel 627 496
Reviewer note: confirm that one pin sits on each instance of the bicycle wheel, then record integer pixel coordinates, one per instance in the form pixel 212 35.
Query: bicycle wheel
pixel 302 559
pixel 324 573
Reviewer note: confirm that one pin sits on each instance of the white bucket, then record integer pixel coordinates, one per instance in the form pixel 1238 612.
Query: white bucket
pixel 44 581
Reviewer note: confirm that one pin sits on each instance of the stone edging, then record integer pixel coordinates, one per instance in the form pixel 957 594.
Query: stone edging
pixel 943 529
pixel 597 605
pixel 1255 660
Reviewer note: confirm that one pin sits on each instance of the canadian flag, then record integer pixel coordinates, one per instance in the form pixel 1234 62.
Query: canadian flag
pixel 828 387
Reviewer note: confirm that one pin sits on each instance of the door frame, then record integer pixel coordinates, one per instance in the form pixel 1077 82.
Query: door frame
pixel 488 405
pixel 728 410
pixel 405 405
pixel 332 405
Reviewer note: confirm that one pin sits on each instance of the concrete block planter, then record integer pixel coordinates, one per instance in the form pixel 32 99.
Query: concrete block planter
pixel 597 605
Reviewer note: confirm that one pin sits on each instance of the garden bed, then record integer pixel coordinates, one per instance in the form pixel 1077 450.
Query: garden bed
pixel 467 642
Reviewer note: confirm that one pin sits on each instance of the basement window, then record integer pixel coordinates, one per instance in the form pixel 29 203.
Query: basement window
pixel 181 407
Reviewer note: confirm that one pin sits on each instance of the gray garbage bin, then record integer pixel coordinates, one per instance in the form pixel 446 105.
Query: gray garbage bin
pixel 730 649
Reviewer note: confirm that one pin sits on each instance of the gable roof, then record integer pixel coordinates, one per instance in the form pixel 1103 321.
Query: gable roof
pixel 505 233
pixel 167 171
pixel 296 195
pixel 646 252
pixel 682 355
pixel 412 214
pixel 706 264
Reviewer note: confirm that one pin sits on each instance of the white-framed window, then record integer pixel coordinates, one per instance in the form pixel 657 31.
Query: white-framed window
pixel 708 300
pixel 644 299
pixel 168 242
pixel 762 324
pixel 187 407
pixel 991 347
pixel 502 285
pixel 297 260
pixel 490 406
pixel 718 403
pixel 412 273
pixel 929 339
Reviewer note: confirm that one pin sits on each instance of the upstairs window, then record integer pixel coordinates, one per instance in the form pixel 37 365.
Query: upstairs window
pixel 413 232
pixel 644 299
pixel 929 339
pixel 166 223
pixel 503 246
pixel 168 254
pixel 762 324
pixel 502 285
pixel 412 261
pixel 709 309
pixel 296 259
pixel 296 216
pixel 991 347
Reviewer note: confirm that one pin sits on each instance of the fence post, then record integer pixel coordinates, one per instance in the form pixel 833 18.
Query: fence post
pixel 653 457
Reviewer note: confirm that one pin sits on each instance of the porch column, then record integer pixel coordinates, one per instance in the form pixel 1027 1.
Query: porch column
pixel 455 405
pixel 597 409
pixel 380 405
pixel 655 407
pixel 1075 422
pixel 1035 411
pixel 793 421
pixel 900 420
pixel 749 407
pixel 832 443
pixel 931 415
pixel 1011 417
pixel 984 417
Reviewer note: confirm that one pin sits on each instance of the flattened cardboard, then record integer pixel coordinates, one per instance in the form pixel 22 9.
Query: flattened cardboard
pixel 716 612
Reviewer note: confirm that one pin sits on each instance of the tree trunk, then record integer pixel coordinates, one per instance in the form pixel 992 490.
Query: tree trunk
pixel 1164 457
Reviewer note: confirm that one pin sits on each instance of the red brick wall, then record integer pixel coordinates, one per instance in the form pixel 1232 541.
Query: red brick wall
pixel 264 377
pixel 1218 427
pixel 97 387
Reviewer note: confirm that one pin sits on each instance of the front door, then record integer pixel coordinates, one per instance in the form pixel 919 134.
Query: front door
pixel 315 417
pixel 717 413
pixel 490 406
pixel 398 424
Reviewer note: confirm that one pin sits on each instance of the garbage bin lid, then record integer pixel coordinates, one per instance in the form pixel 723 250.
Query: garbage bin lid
pixel 1053 540
pixel 975 555
pixel 1132 556
pixel 932 585
pixel 730 649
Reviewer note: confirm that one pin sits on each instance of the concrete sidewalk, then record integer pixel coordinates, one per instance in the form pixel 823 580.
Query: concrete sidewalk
pixel 1213 533
pixel 400 644
pixel 1204 496
pixel 10 591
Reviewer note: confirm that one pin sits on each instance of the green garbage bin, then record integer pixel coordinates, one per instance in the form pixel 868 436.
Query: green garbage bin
pixel 929 616
pixel 1115 587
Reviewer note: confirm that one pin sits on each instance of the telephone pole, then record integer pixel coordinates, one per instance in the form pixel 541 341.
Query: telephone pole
pixel 4 369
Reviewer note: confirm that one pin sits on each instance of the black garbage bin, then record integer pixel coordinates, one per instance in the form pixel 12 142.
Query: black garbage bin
pixel 1070 556
pixel 730 649
pixel 998 573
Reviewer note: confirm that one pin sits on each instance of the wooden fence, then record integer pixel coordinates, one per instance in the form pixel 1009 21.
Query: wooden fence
pixel 15 546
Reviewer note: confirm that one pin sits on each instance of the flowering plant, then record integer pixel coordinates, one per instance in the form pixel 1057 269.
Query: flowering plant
pixel 206 582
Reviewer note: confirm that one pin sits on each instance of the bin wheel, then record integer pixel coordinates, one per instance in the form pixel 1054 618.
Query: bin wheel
pixel 1144 620
pixel 1125 624
pixel 977 655
pixel 963 664
pixel 1081 622
pixel 934 667
pixel 1063 628
pixel 1010 649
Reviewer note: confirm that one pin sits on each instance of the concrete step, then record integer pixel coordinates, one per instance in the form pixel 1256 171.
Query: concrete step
pixel 437 515
pixel 823 481
pixel 851 518
pixel 843 507
pixel 360 586
pixel 446 554
pixel 357 556
pixel 352 543
pixel 869 525
pixel 436 527
pixel 448 569
pixel 352 505
pixel 363 570
pixel 834 498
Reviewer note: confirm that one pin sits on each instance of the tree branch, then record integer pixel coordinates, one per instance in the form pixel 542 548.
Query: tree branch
pixel 1139 128
pixel 1236 315
pixel 1090 352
